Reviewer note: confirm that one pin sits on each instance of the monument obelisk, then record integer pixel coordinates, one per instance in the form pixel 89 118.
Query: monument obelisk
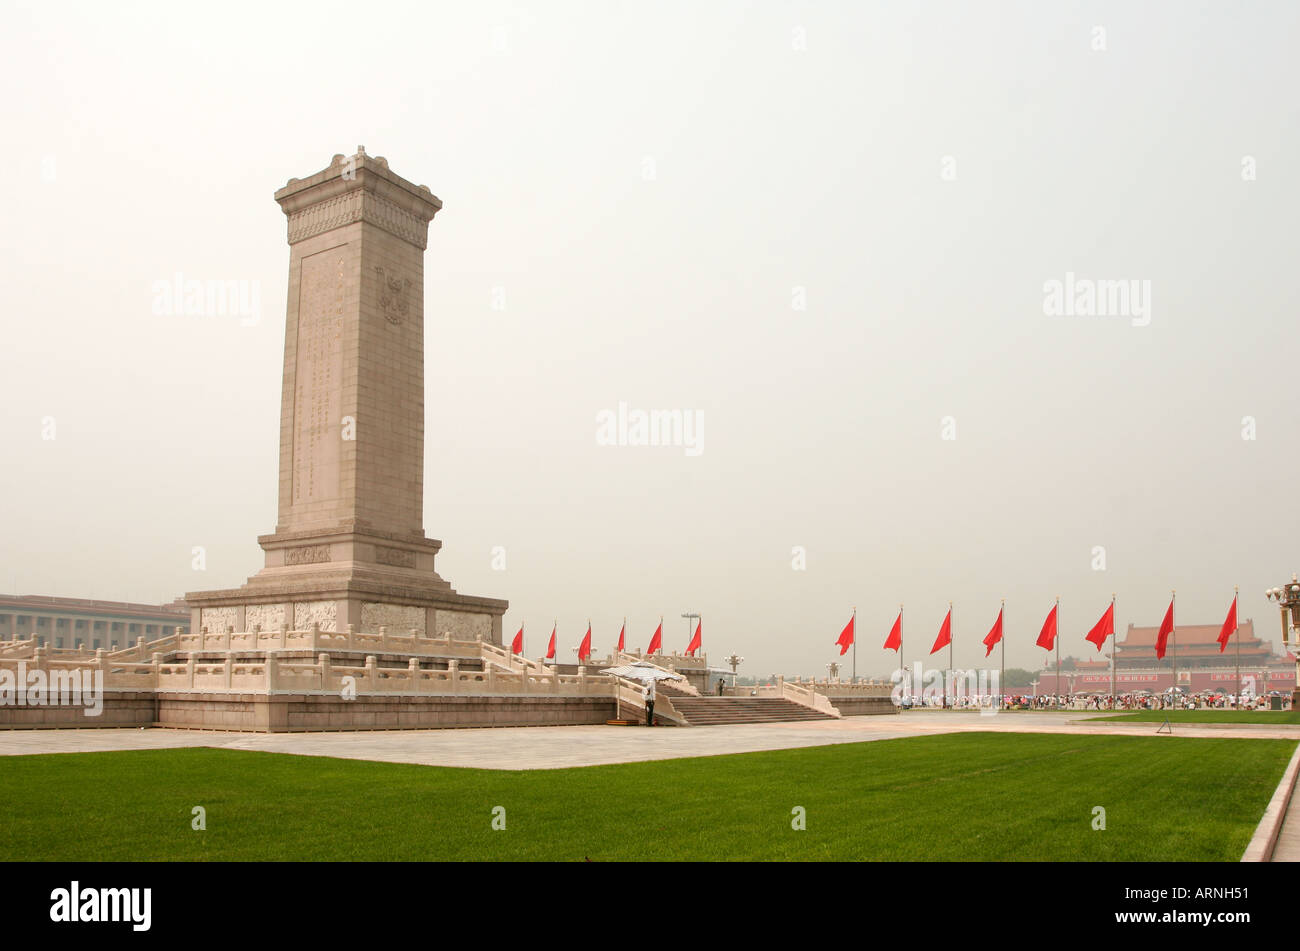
pixel 349 545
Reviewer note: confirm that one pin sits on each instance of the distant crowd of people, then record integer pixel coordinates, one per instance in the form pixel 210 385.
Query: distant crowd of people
pixel 1127 701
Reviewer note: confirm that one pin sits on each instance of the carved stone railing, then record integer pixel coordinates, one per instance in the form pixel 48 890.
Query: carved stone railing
pixel 805 696
pixel 316 640
pixel 142 649
pixel 848 689
pixel 323 677
pixel 677 661
pixel 508 660
pixel 18 648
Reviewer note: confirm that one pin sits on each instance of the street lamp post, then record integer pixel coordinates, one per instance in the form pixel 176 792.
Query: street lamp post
pixel 832 670
pixel 735 660
pixel 1288 599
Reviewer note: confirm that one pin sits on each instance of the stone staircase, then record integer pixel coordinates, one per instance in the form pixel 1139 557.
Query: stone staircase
pixel 710 711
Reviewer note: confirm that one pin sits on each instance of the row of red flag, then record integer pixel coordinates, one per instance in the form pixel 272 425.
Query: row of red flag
pixel 1103 629
pixel 584 649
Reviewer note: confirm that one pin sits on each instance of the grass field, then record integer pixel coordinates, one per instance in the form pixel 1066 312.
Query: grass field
pixel 1280 717
pixel 961 797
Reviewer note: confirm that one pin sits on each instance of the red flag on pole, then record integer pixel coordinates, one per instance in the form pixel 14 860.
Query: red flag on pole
pixel 584 649
pixel 657 642
pixel 550 651
pixel 1047 636
pixel 1166 628
pixel 945 633
pixel 994 635
pixel 1229 626
pixel 845 640
pixel 696 641
pixel 622 631
pixel 517 647
pixel 1103 628
pixel 895 639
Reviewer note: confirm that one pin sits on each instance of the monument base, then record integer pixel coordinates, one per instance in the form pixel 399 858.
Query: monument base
pixel 344 580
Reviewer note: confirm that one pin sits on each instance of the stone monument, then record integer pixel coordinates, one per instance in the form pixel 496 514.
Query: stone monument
pixel 349 545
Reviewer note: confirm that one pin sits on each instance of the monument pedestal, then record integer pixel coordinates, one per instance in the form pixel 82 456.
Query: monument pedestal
pixel 349 546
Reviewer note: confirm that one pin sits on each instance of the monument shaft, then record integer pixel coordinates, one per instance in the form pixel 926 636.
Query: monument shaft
pixel 349 544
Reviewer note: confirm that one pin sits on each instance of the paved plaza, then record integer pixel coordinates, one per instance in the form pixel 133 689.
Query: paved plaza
pixel 565 746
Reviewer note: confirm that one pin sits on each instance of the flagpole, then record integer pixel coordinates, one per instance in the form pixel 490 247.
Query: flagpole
pixel 1002 676
pixel 1173 633
pixel 901 666
pixel 1058 652
pixel 855 643
pixel 1235 627
pixel 1112 650
pixel 945 692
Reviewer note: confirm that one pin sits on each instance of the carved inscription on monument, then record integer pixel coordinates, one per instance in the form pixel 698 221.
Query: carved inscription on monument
pixel 397 557
pixel 307 555
pixel 317 416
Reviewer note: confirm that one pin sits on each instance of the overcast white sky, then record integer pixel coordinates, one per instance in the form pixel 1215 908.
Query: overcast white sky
pixel 792 145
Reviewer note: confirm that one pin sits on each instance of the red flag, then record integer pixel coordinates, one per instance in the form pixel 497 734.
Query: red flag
pixel 550 651
pixel 945 633
pixel 518 646
pixel 845 640
pixel 621 631
pixel 657 642
pixel 895 639
pixel 696 641
pixel 1229 625
pixel 1166 628
pixel 584 649
pixel 1047 636
pixel 994 635
pixel 1103 628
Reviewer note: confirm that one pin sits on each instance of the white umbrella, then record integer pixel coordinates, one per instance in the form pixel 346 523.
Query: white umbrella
pixel 641 671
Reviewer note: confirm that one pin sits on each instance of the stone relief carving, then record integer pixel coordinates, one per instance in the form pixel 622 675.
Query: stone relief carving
pixel 463 625
pixel 398 618
pixel 324 613
pixel 269 617
pixel 358 205
pixel 393 297
pixel 325 216
pixel 216 620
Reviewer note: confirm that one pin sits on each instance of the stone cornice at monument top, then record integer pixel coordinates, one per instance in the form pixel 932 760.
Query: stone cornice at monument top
pixel 356 188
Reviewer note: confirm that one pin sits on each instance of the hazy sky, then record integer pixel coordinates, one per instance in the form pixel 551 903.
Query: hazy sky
pixel 639 200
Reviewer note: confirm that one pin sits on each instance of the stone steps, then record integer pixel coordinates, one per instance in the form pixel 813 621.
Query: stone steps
pixel 709 711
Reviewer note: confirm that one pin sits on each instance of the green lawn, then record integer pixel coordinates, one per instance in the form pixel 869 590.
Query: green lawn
pixel 1209 716
pixel 974 796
